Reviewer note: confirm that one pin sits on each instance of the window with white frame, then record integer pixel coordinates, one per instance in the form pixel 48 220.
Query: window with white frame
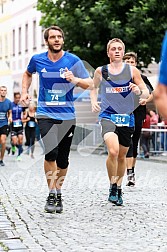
pixel 42 38
pixel 20 40
pixel 6 46
pixel 26 37
pixel 34 34
pixel 13 42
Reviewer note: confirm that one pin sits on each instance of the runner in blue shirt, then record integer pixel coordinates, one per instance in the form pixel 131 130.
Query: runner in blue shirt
pixel 160 93
pixel 5 117
pixel 18 113
pixel 116 111
pixel 59 72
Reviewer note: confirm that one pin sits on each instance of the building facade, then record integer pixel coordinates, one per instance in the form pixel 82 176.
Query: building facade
pixel 21 37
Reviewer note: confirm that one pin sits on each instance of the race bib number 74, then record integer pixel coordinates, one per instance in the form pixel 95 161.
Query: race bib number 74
pixel 55 97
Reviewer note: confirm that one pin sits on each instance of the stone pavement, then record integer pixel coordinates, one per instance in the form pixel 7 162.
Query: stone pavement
pixel 89 222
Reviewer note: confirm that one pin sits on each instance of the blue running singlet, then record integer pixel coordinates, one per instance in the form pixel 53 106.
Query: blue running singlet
pixel 55 98
pixel 117 100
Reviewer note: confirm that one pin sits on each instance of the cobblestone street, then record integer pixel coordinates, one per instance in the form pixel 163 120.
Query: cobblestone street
pixel 89 222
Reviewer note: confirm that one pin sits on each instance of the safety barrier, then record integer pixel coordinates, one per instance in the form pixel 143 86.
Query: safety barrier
pixel 158 139
pixel 88 136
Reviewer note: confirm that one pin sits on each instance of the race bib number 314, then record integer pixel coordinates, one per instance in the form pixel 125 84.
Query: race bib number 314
pixel 120 119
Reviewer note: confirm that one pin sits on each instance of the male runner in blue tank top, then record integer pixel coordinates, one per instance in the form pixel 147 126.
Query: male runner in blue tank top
pixel 59 72
pixel 116 111
pixel 160 93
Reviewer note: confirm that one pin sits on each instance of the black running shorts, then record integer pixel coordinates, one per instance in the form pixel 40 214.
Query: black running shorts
pixel 57 137
pixel 124 133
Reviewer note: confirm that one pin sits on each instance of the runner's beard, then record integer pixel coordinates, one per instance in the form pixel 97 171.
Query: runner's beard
pixel 54 50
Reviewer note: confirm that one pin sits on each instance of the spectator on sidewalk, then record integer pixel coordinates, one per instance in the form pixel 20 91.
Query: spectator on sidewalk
pixel 154 119
pixel 145 136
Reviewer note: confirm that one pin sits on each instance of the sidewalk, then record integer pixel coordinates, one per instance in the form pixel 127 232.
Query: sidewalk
pixel 89 222
pixel 9 238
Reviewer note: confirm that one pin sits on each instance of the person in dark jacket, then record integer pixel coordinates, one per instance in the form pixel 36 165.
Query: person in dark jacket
pixel 140 115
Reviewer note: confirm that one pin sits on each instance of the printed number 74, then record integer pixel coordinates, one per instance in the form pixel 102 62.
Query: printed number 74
pixel 55 97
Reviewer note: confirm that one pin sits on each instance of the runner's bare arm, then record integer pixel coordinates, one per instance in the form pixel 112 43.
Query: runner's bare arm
pixel 26 82
pixel 160 98
pixel 145 101
pixel 143 90
pixel 94 92
pixel 10 116
pixel 86 83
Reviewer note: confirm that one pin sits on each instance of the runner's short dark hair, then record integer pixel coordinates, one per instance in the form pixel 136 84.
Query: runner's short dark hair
pixel 129 55
pixel 53 27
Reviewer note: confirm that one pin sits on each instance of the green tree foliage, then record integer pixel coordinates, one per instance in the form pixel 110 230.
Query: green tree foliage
pixel 89 25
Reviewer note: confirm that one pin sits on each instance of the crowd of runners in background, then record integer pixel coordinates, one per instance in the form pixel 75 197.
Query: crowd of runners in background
pixel 18 127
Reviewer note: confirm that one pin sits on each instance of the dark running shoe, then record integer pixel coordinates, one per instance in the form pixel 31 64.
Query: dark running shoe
pixel 59 204
pixel 113 194
pixel 131 180
pixel 2 163
pixel 50 206
pixel 8 150
pixel 120 200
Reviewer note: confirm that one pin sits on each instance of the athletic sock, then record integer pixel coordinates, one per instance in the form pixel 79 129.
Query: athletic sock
pixel 20 149
pixel 52 191
pixel 58 191
pixel 111 185
pixel 130 171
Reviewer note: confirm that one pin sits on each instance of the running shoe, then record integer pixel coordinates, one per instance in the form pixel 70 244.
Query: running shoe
pixel 131 180
pixel 8 150
pixel 59 204
pixel 113 194
pixel 50 206
pixel 120 200
pixel 2 163
pixel 13 150
pixel 18 158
